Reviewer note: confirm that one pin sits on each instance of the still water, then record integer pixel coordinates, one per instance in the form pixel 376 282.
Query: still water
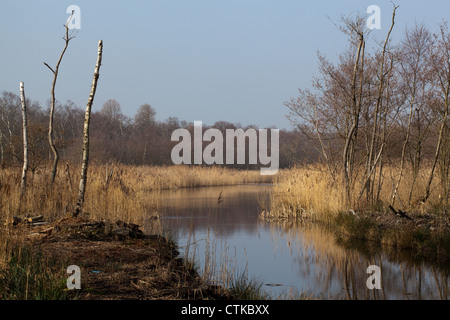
pixel 220 228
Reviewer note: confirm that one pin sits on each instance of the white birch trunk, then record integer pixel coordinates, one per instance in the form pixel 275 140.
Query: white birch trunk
pixel 25 141
pixel 87 118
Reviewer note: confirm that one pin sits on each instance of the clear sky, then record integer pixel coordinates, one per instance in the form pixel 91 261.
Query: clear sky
pixel 208 60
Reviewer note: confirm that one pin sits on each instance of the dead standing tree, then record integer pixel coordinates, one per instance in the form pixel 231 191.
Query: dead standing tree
pixel 87 118
pixel 55 71
pixel 25 142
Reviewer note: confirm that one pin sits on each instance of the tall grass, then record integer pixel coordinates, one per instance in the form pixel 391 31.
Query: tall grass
pixel 27 276
pixel 113 192
pixel 304 193
pixel 309 192
pixel 243 288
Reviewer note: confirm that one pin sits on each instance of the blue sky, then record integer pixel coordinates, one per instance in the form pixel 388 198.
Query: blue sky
pixel 207 60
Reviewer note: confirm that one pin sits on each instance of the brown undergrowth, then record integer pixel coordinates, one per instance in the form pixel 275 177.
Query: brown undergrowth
pixel 309 194
pixel 117 261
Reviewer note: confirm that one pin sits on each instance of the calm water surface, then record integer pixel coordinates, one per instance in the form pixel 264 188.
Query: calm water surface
pixel 219 228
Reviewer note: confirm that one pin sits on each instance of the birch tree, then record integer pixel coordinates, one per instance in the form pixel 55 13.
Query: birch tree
pixel 87 118
pixel 25 141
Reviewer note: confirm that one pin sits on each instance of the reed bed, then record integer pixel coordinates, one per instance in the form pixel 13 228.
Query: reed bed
pixel 113 192
pixel 304 193
pixel 310 193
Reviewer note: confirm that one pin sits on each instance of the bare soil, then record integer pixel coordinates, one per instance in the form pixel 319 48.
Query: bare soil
pixel 119 262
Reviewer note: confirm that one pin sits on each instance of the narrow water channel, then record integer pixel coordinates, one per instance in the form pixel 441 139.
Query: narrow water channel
pixel 220 229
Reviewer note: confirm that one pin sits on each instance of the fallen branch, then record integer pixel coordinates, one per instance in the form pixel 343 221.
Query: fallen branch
pixel 400 213
pixel 38 220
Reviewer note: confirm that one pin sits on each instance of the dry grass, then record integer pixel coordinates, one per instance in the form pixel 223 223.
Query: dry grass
pixel 114 192
pixel 309 192
pixel 304 193
pixel 114 265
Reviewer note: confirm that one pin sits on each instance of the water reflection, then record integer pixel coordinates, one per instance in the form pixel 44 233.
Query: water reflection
pixel 333 272
pixel 225 210
pixel 221 225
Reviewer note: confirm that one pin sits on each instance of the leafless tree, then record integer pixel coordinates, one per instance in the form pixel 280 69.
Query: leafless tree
pixel 111 110
pixel 10 124
pixel 333 110
pixel 25 141
pixel 441 71
pixel 374 156
pixel 144 121
pixel 55 71
pixel 87 118
pixel 414 69
pixel 145 117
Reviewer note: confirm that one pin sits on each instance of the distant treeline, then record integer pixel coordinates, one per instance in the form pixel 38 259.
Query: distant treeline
pixel 115 137
pixel 141 140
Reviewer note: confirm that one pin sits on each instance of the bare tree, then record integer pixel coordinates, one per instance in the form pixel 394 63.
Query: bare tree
pixel 333 111
pixel 416 70
pixel 145 117
pixel 355 29
pixel 111 110
pixel 383 82
pixel 352 110
pixel 87 117
pixel 25 141
pixel 144 120
pixel 55 71
pixel 413 69
pixel 441 71
pixel 9 126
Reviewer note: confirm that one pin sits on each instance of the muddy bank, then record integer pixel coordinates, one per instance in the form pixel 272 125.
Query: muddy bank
pixel 118 261
pixel 418 237
pixel 423 237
